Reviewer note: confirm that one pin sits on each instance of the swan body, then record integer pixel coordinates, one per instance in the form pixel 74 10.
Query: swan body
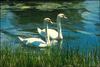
pixel 52 33
pixel 38 42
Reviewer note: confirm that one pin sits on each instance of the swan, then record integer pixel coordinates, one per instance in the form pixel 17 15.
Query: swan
pixel 38 42
pixel 53 34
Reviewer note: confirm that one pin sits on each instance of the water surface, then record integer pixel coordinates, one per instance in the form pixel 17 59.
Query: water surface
pixel 82 29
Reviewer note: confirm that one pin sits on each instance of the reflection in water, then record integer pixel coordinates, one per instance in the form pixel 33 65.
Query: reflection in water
pixel 82 34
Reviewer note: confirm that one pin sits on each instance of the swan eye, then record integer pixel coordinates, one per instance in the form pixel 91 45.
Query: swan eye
pixel 63 16
pixel 49 20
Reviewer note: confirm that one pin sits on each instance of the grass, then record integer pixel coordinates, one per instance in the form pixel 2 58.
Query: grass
pixel 50 57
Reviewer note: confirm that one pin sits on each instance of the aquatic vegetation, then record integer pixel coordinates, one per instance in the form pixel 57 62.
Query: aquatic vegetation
pixel 49 57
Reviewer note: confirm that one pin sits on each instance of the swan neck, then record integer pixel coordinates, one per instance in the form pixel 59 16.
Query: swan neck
pixel 59 27
pixel 47 34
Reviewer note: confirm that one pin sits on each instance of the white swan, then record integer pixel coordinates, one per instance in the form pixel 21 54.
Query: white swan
pixel 53 34
pixel 38 42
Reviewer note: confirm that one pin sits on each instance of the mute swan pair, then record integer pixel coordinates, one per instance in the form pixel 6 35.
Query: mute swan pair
pixel 38 42
pixel 47 33
pixel 53 34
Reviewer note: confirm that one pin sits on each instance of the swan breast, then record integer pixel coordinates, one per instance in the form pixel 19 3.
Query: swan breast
pixel 53 34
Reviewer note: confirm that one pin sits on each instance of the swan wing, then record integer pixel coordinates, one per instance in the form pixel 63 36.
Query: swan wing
pixel 36 42
pixel 33 42
pixel 53 34
pixel 41 32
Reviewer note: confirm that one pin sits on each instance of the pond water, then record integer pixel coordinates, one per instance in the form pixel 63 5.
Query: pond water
pixel 82 29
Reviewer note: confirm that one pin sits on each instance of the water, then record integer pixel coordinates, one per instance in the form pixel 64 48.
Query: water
pixel 82 29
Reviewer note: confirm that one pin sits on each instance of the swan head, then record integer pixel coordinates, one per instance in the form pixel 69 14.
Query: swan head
pixel 61 15
pixel 48 20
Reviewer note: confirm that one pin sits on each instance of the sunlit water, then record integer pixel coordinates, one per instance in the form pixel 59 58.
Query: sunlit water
pixel 84 34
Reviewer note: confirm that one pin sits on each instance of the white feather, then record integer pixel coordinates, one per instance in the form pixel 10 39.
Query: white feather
pixel 52 33
pixel 38 42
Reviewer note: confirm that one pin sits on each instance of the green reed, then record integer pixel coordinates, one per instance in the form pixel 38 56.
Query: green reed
pixel 49 57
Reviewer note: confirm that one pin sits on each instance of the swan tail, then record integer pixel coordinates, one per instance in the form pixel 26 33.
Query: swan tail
pixel 39 30
pixel 20 38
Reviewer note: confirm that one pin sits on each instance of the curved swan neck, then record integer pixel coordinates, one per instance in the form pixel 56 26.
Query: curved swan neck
pixel 59 27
